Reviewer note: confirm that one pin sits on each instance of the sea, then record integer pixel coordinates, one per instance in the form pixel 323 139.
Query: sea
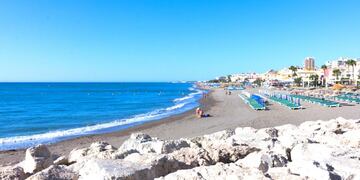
pixel 34 113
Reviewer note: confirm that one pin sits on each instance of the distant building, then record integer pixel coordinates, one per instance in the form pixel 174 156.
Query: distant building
pixel 346 74
pixel 270 75
pixel 241 77
pixel 309 64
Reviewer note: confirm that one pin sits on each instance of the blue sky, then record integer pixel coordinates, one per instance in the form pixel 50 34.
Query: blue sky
pixel 157 40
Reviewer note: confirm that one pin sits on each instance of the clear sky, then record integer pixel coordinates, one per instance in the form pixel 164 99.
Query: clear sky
pixel 158 40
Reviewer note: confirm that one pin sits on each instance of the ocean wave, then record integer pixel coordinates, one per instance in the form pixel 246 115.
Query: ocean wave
pixel 181 105
pixel 182 98
pixel 176 107
pixel 190 96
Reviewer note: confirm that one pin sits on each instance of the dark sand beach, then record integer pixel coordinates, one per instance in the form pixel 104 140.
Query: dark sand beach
pixel 227 111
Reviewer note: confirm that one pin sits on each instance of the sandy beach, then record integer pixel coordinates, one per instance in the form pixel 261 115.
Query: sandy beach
pixel 227 111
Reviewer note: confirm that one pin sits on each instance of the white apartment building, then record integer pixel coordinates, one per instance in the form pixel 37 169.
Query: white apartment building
pixel 244 76
pixel 347 73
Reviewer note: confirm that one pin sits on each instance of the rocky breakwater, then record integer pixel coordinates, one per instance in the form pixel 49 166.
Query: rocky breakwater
pixel 313 150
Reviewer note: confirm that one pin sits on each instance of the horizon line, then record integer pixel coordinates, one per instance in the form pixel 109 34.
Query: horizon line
pixel 92 81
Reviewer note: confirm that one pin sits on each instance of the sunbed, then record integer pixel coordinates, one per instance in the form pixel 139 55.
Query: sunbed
pixel 285 102
pixel 252 103
pixel 314 100
pixel 347 99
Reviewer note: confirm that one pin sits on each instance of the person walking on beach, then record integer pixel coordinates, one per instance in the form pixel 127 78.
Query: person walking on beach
pixel 204 95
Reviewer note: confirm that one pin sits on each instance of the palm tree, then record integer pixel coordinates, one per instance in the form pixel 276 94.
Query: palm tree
pixel 293 69
pixel 324 68
pixel 315 79
pixel 298 81
pixel 337 73
pixel 351 63
pixel 258 82
pixel 229 78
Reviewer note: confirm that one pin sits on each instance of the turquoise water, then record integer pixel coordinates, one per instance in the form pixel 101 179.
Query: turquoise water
pixel 33 113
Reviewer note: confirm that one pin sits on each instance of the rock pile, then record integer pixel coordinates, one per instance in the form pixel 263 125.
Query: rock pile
pixel 313 150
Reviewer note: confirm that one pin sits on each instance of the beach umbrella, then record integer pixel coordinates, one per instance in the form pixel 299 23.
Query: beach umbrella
pixel 338 87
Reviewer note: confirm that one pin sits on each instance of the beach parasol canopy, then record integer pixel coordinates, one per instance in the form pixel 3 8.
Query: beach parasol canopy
pixel 338 87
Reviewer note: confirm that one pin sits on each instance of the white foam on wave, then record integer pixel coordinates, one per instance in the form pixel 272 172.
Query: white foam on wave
pixel 183 98
pixel 181 105
pixel 176 106
pixel 191 95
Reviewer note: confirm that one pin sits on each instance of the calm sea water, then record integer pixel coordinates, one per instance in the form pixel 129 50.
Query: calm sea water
pixel 32 113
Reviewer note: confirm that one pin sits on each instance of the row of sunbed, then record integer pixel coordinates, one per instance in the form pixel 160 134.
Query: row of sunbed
pixel 319 101
pixel 348 99
pixel 285 102
pixel 252 103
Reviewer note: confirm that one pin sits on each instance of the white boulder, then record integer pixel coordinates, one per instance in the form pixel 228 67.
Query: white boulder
pixel 12 173
pixel 216 172
pixel 55 172
pixel 313 150
pixel 62 160
pixel 134 166
pixel 321 161
pixel 36 159
pixel 144 144
pixel 102 150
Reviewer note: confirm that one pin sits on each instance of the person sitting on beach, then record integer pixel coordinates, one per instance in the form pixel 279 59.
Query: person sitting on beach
pixel 200 113
pixel 197 111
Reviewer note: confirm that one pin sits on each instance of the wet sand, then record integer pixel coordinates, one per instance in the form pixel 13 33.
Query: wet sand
pixel 227 111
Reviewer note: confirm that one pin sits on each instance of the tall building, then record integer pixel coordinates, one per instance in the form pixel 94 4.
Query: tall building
pixel 309 64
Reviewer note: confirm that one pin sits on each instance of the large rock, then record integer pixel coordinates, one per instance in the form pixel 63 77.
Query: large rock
pixel 215 172
pixel 12 173
pixel 220 147
pixel 36 159
pixel 134 166
pixel 313 150
pixel 114 169
pixel 351 138
pixel 220 136
pixel 263 161
pixel 230 171
pixel 284 173
pixel 101 150
pixel 143 143
pixel 192 157
pixel 173 145
pixel 55 172
pixel 62 160
pixel 228 153
pixel 321 161
pixel 152 165
pixel 264 139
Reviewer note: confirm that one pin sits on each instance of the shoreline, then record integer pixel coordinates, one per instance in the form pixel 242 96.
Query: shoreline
pixel 13 156
pixel 227 112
